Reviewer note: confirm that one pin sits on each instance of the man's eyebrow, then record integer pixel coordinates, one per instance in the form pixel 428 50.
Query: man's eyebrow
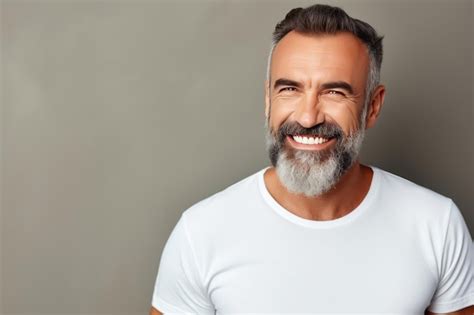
pixel 325 86
pixel 338 85
pixel 286 82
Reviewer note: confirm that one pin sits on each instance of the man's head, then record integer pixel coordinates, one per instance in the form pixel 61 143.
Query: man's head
pixel 322 81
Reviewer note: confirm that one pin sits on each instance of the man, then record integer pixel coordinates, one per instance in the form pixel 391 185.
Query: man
pixel 319 232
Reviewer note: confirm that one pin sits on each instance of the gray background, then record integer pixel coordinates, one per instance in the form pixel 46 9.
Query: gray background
pixel 117 116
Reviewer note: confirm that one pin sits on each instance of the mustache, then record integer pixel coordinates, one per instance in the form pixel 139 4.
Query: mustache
pixel 325 130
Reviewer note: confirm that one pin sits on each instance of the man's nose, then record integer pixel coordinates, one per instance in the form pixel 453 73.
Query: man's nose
pixel 308 113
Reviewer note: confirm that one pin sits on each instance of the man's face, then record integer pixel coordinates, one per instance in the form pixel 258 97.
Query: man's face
pixel 315 108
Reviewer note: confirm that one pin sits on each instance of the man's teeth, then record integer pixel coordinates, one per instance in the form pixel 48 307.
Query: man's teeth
pixel 310 140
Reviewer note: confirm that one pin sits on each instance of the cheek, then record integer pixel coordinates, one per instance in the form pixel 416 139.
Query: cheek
pixel 280 111
pixel 343 113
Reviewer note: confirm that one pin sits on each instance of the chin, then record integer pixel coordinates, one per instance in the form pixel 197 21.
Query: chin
pixel 302 174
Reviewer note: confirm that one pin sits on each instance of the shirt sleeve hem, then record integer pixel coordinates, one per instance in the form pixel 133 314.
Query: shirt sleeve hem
pixel 166 308
pixel 452 306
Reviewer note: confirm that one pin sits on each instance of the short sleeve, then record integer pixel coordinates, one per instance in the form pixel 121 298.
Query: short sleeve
pixel 178 286
pixel 456 286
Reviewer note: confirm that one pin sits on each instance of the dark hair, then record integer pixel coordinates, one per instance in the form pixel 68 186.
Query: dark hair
pixel 325 19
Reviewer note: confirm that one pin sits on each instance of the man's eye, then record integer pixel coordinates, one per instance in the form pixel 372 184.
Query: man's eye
pixel 335 92
pixel 288 88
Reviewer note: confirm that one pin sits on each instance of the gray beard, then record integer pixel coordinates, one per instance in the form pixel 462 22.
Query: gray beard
pixel 314 173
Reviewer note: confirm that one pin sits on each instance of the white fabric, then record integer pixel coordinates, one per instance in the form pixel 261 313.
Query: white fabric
pixel 404 248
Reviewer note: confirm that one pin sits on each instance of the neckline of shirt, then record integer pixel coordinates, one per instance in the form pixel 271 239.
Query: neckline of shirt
pixel 351 216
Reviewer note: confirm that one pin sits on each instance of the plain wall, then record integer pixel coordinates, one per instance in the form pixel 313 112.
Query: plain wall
pixel 117 116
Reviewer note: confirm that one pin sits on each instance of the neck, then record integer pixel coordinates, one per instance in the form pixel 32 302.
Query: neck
pixel 344 197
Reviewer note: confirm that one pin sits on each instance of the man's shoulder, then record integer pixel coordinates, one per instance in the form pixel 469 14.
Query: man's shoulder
pixel 398 182
pixel 231 199
pixel 407 192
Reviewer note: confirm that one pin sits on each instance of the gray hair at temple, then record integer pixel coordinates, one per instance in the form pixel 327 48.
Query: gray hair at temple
pixel 324 19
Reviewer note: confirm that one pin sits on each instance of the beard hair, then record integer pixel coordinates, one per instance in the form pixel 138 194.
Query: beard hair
pixel 313 173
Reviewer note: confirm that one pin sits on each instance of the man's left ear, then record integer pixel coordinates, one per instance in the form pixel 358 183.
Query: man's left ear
pixel 375 106
pixel 267 99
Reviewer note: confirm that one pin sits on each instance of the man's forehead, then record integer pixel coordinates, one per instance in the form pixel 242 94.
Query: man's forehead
pixel 341 52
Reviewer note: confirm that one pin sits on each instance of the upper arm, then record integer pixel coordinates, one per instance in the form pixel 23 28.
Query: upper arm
pixel 465 311
pixel 154 311
pixel 179 286
pixel 455 267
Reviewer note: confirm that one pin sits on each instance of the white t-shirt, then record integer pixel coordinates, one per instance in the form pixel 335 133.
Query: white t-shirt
pixel 404 248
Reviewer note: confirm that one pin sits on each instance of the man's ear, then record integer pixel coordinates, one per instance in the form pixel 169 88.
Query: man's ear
pixel 267 100
pixel 375 106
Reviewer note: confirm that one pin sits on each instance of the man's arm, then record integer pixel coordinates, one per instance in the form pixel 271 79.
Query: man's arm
pixel 178 286
pixel 154 311
pixel 465 311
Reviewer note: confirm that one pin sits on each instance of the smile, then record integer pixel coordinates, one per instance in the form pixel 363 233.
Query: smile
pixel 309 140
pixel 305 142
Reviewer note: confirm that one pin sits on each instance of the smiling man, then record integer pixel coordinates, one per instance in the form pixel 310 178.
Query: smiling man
pixel 318 232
